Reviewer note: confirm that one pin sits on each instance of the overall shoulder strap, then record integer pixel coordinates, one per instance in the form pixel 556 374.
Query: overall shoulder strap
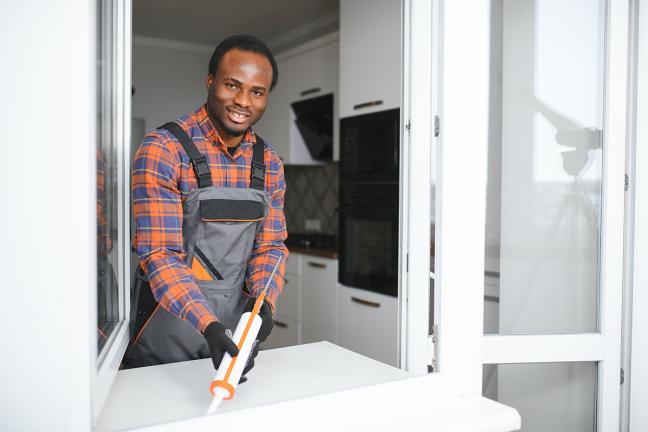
pixel 257 173
pixel 198 161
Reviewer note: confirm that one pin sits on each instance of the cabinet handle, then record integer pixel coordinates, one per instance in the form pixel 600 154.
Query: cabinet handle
pixel 316 265
pixel 310 91
pixel 280 324
pixel 365 302
pixel 368 104
pixel 285 281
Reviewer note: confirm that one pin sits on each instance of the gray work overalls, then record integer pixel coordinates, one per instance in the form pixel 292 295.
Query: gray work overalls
pixel 218 230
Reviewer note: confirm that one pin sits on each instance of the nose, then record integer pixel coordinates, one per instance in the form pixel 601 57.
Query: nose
pixel 242 99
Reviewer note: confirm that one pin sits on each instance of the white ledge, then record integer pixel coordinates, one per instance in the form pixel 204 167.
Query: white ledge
pixel 308 387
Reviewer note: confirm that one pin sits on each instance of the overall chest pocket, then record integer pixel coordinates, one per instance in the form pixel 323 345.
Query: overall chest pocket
pixel 225 237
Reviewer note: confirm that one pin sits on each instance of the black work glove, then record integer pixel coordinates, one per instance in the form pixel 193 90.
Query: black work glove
pixel 219 343
pixel 266 315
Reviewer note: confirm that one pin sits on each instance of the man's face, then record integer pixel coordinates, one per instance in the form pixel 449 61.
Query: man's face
pixel 237 96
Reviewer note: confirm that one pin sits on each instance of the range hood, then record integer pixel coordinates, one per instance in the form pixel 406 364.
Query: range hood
pixel 314 121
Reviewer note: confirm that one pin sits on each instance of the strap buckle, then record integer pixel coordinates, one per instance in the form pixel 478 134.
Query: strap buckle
pixel 258 171
pixel 200 165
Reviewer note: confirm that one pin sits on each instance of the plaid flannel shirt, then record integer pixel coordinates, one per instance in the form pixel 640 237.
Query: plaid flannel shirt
pixel 162 178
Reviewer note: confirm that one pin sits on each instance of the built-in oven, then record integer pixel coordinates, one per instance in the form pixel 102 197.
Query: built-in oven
pixel 369 147
pixel 368 236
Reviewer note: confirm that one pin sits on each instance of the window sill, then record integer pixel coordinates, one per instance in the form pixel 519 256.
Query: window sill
pixel 319 384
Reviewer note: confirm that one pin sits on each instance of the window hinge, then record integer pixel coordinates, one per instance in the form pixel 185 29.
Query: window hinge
pixel 408 125
pixel 626 182
pixel 622 378
pixel 437 125
pixel 432 349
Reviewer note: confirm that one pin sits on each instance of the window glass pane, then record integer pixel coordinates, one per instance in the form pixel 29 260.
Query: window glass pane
pixel 107 180
pixel 556 397
pixel 544 166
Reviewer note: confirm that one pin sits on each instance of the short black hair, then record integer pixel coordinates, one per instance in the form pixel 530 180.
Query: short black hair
pixel 243 43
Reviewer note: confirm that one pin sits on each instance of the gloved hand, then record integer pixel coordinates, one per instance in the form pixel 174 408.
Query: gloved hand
pixel 266 315
pixel 219 343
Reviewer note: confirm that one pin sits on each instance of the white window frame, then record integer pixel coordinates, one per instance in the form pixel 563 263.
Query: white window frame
pixel 635 391
pixel 446 62
pixel 603 347
pixel 107 362
pixel 429 28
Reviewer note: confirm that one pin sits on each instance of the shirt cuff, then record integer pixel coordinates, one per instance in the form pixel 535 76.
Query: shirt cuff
pixel 199 316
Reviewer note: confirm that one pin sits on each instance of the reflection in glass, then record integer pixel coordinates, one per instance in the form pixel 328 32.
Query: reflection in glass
pixel 107 182
pixel 556 397
pixel 545 166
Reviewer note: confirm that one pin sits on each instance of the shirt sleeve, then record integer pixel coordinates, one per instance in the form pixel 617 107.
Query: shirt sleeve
pixel 269 244
pixel 158 219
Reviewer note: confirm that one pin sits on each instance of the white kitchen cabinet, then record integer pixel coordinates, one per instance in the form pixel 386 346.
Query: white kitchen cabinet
pixel 370 57
pixel 288 302
pixel 305 72
pixel 367 323
pixel 269 127
pixel 285 333
pixel 315 72
pixel 318 291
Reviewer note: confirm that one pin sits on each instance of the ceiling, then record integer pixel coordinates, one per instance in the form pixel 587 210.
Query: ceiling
pixel 281 23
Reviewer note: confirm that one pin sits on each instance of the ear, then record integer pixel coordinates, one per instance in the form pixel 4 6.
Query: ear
pixel 209 82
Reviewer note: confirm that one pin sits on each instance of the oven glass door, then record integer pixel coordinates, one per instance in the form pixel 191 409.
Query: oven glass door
pixel 369 249
pixel 370 147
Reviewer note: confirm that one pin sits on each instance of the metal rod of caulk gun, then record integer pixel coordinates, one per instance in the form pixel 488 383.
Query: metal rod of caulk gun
pixel 230 369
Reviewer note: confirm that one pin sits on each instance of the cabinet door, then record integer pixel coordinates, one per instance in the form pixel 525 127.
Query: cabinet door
pixel 367 323
pixel 274 126
pixel 370 58
pixel 288 302
pixel 284 333
pixel 318 283
pixel 315 72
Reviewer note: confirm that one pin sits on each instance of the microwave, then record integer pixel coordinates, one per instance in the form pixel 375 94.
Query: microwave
pixel 370 147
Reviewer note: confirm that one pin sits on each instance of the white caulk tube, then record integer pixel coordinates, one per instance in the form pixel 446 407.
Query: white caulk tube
pixel 230 369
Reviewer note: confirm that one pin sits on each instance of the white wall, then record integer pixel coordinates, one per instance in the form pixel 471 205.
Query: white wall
pixel 169 80
pixel 47 258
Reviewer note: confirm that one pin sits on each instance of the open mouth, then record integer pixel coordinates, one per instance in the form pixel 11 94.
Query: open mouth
pixel 237 117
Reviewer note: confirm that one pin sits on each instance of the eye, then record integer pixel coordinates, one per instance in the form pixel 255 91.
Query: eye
pixel 257 93
pixel 230 85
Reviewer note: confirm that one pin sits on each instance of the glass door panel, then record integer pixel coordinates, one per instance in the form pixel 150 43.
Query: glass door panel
pixel 556 397
pixel 545 166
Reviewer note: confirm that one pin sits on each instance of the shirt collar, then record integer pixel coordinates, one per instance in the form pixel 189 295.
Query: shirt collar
pixel 207 126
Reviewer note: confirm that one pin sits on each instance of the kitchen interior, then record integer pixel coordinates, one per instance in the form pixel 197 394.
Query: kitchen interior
pixel 333 118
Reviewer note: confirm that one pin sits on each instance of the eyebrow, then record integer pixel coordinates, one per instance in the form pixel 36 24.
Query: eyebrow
pixel 239 83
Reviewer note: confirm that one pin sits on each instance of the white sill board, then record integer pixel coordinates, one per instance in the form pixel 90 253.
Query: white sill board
pixel 164 393
pixel 317 386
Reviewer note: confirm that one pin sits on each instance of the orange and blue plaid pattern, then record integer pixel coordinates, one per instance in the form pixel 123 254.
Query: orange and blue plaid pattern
pixel 162 179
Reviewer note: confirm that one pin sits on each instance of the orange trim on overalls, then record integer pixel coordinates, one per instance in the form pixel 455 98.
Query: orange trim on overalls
pixel 230 220
pixel 145 324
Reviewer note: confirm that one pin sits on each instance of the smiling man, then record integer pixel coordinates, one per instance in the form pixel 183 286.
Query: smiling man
pixel 208 200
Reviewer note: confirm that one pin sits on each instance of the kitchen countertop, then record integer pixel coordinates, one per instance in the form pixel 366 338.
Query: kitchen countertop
pixel 317 386
pixel 315 251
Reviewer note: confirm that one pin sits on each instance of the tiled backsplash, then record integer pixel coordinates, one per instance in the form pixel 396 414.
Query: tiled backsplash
pixel 311 193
